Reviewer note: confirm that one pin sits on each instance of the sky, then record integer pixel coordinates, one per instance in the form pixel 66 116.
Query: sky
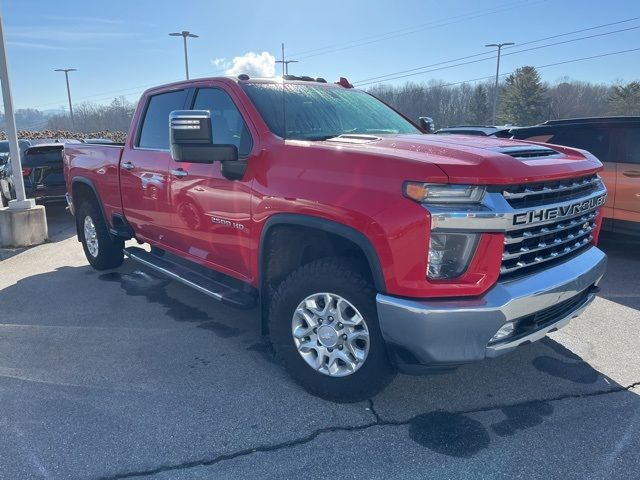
pixel 122 47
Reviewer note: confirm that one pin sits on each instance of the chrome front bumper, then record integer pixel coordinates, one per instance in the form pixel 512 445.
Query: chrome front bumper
pixel 450 332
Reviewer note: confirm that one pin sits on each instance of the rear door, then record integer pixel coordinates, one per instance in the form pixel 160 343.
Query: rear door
pixel 212 213
pixel 627 203
pixel 144 170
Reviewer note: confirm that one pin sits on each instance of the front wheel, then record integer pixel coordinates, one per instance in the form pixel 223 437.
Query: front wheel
pixel 4 200
pixel 101 249
pixel 324 327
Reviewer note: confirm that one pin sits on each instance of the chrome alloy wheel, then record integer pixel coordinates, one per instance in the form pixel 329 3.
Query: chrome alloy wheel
pixel 90 236
pixel 330 334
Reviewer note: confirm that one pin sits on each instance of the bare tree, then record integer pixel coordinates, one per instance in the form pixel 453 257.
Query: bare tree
pixel 91 117
pixel 479 106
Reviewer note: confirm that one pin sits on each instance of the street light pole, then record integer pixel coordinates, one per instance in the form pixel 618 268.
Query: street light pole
pixel 66 76
pixel 495 91
pixel 21 201
pixel 184 34
pixel 24 223
pixel 285 63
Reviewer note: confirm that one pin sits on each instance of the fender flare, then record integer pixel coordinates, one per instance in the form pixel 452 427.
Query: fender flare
pixel 329 226
pixel 88 182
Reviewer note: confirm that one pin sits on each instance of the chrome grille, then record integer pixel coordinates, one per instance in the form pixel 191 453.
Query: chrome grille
pixel 529 248
pixel 541 193
pixel 538 234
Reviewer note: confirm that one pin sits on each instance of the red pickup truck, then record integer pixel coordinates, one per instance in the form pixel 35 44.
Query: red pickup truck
pixel 367 245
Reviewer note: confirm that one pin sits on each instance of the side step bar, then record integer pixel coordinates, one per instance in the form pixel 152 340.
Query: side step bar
pixel 192 278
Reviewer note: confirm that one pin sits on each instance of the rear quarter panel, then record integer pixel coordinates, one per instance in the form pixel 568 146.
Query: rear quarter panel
pixel 98 165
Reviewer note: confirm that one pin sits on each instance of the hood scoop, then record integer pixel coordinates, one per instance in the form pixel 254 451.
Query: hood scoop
pixel 528 152
pixel 354 138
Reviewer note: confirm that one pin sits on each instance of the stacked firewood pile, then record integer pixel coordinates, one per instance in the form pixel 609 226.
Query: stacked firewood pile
pixel 64 134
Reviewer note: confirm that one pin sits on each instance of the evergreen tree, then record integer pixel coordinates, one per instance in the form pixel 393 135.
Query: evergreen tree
pixel 523 100
pixel 625 99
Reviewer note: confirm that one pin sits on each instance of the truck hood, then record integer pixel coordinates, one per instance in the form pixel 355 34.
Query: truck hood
pixel 478 160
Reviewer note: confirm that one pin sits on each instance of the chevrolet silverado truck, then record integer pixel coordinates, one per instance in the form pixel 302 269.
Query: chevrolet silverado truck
pixel 616 143
pixel 365 245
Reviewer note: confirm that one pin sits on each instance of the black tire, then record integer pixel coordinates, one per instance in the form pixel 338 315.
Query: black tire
pixel 109 254
pixel 341 277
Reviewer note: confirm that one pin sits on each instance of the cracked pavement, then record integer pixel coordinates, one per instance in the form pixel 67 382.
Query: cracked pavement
pixel 124 374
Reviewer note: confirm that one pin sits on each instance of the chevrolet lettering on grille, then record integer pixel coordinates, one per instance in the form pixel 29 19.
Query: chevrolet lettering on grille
pixel 558 212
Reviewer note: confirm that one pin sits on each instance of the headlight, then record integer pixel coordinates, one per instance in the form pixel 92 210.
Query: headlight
pixel 450 253
pixel 443 193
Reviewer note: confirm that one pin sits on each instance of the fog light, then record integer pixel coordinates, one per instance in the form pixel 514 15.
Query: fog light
pixel 505 331
pixel 450 253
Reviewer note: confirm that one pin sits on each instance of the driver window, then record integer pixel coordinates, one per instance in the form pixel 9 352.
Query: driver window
pixel 226 122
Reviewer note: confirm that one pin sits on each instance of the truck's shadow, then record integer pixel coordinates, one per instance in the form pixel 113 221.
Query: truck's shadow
pixel 60 223
pixel 439 410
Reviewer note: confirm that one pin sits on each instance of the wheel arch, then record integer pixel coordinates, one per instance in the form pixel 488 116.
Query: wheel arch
pixel 83 188
pixel 330 227
pixel 328 238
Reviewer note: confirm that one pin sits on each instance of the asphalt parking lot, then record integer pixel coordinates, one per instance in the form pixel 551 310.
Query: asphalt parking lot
pixel 125 374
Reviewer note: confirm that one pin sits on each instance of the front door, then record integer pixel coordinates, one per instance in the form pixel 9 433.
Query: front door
pixel 211 214
pixel 144 171
pixel 627 203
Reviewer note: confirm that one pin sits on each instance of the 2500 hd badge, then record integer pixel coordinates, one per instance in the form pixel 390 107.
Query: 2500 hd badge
pixel 560 211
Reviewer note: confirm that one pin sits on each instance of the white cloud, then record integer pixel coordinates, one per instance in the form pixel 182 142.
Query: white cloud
pixel 41 46
pixel 59 34
pixel 221 63
pixel 71 18
pixel 253 64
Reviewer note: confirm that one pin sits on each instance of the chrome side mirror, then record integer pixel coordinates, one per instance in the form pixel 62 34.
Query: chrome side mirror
pixel 191 139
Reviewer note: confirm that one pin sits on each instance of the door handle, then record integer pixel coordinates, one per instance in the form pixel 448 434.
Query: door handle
pixel 632 173
pixel 179 173
pixel 128 166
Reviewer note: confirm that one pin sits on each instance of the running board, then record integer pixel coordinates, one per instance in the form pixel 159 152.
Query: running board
pixel 192 278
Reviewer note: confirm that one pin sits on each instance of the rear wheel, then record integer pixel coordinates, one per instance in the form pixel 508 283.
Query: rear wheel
pixel 324 327
pixel 101 249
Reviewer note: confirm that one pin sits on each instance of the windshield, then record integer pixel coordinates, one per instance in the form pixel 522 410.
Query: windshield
pixel 318 112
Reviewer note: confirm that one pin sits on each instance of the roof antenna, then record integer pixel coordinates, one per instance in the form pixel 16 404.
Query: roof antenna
pixel 284 103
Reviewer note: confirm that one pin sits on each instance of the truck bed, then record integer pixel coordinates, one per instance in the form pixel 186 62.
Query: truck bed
pixel 97 166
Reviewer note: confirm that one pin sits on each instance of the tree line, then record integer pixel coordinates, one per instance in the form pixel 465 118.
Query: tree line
pixel 524 99
pixel 88 117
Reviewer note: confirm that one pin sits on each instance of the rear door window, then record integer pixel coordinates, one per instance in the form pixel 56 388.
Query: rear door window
pixel 630 151
pixel 593 139
pixel 154 133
